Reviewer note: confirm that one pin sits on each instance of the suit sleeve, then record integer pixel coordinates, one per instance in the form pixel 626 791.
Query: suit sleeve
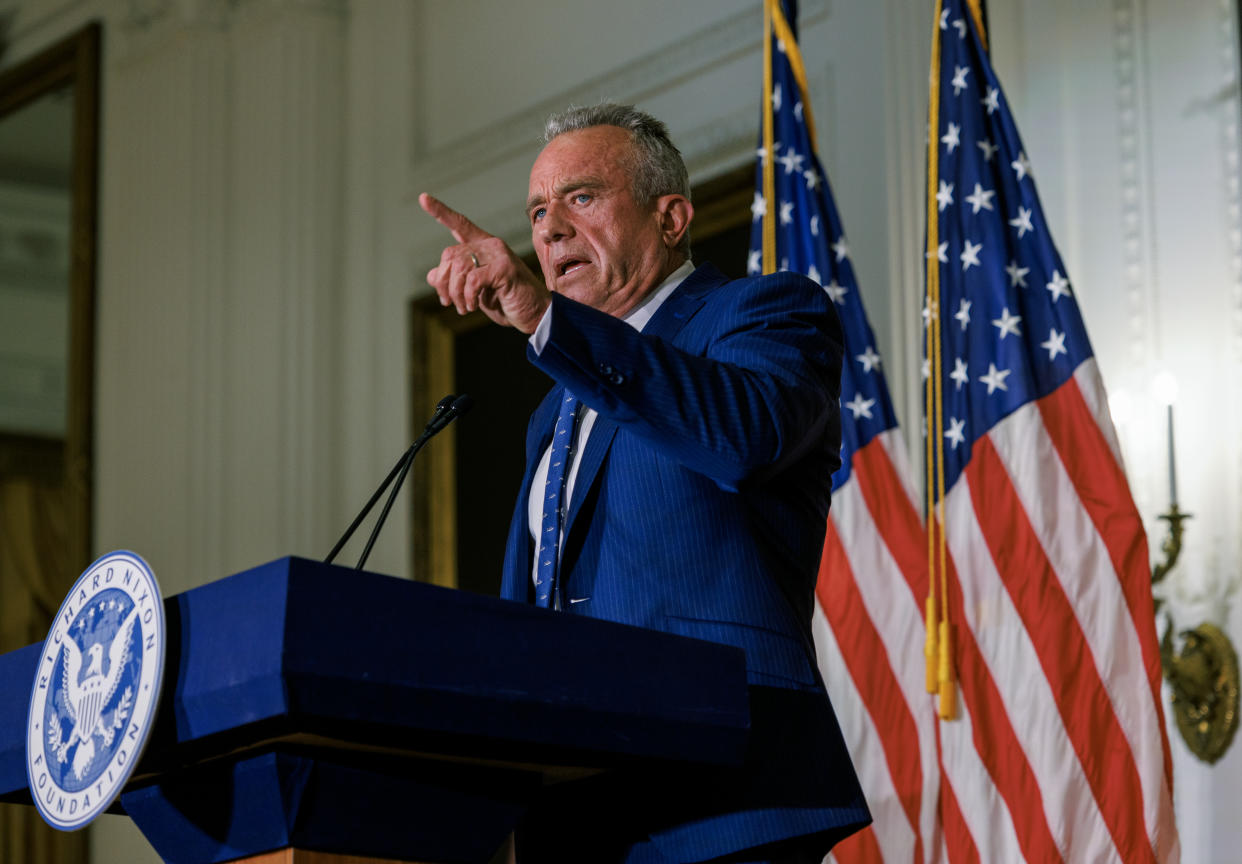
pixel 756 388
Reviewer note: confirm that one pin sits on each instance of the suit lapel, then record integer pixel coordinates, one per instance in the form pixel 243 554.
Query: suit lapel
pixel 597 445
pixel 683 303
pixel 667 322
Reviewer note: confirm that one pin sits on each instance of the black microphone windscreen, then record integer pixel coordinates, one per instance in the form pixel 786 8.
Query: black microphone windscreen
pixel 462 404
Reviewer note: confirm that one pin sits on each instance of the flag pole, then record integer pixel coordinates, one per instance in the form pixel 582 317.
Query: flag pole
pixel 938 649
pixel 769 158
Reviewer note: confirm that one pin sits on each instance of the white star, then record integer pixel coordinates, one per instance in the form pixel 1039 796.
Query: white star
pixel 836 292
pixel 944 20
pixel 812 178
pixel 754 261
pixel 959 79
pixel 952 137
pixel 792 160
pixel 812 273
pixel 995 379
pixel 925 369
pixel 786 212
pixel 945 195
pixel 941 254
pixel 1021 166
pixel 1017 275
pixel 929 309
pixel 780 45
pixel 992 100
pixel 860 407
pixel 1055 344
pixel 1059 286
pixel 970 255
pixel 798 111
pixel 960 24
pixel 959 373
pixel 814 226
pixel 1007 323
pixel 980 198
pixel 963 313
pixel 785 263
pixel 989 149
pixel 762 154
pixel 869 359
pixel 776 97
pixel 1022 221
pixel 841 248
pixel 956 431
pixel 758 208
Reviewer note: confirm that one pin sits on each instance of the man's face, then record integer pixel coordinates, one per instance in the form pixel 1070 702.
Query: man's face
pixel 595 243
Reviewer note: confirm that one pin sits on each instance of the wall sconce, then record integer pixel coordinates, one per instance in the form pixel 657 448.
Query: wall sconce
pixel 1203 674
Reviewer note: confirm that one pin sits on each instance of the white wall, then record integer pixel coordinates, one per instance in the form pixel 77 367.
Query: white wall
pixel 260 235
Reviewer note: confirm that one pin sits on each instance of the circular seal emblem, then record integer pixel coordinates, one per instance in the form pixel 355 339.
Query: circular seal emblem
pixel 95 691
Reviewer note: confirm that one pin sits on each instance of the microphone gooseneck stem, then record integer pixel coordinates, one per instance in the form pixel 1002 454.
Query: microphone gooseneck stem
pixel 449 409
pixel 379 523
pixel 362 514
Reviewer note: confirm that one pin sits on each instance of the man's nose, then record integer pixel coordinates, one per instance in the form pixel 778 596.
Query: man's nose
pixel 555 224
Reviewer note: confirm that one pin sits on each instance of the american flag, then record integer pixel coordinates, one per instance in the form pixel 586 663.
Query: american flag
pixel 868 621
pixel 1059 749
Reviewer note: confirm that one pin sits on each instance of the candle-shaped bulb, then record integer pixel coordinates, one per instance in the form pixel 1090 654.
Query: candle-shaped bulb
pixel 1164 388
pixel 1172 464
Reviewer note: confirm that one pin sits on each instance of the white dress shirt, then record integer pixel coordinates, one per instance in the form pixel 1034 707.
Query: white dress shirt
pixel 636 318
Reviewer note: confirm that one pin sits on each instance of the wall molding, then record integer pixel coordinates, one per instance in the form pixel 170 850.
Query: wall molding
pixel 1134 172
pixel 1231 170
pixel 146 26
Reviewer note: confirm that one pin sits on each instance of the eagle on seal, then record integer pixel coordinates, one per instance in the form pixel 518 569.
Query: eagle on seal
pixel 87 692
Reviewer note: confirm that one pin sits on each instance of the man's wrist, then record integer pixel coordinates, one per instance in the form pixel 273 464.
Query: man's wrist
pixel 539 336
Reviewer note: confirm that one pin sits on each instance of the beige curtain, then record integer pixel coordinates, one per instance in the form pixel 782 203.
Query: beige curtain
pixel 34 576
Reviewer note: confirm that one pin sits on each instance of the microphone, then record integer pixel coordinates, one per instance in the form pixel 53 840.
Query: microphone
pixel 457 406
pixel 441 406
pixel 446 411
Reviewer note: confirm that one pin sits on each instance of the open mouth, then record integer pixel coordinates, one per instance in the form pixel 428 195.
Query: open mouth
pixel 566 266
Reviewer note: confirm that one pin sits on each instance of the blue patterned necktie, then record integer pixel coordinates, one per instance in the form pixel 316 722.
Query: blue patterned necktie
pixel 553 501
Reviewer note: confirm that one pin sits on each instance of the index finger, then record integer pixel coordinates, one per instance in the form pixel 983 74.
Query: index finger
pixel 462 229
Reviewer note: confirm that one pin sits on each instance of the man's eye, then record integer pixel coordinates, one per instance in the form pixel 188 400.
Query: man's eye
pixel 582 197
pixel 537 214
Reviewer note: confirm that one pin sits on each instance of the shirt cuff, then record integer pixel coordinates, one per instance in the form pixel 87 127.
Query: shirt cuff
pixel 540 337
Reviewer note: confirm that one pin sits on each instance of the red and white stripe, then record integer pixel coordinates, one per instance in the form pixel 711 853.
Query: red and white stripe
pixel 870 638
pixel 1059 751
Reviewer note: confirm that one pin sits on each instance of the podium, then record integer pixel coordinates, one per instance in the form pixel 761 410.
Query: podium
pixel 352 716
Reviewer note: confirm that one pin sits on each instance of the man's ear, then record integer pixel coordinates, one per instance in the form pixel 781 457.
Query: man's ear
pixel 675 213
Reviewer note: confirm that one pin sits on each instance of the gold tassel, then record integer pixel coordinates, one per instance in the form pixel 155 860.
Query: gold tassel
pixel 948 688
pixel 931 650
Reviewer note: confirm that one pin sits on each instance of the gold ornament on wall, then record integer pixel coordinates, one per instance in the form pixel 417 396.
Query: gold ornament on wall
pixel 1203 674
pixel 1204 679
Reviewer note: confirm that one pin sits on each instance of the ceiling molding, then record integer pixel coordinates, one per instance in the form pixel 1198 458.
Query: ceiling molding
pixel 514 135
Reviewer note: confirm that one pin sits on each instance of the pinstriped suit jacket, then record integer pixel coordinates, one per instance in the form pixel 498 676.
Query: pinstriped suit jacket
pixel 700 509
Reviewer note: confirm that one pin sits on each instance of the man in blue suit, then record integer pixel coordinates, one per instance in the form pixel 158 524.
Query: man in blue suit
pixel 681 470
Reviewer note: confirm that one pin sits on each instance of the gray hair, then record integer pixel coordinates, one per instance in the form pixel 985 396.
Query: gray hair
pixel 657 167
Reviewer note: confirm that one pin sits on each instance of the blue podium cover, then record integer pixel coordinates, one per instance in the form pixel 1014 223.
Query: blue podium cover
pixel 315 706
